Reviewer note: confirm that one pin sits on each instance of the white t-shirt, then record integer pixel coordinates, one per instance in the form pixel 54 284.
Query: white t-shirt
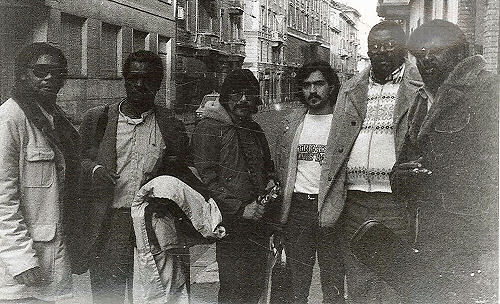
pixel 311 152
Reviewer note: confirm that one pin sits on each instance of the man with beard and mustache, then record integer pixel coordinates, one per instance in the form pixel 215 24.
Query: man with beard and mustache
pixel 122 144
pixel 308 218
pixel 369 125
pixel 447 172
pixel 39 172
pixel 232 156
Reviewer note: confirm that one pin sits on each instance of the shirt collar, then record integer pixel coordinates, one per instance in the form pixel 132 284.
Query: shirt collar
pixel 395 77
pixel 134 121
pixel 424 93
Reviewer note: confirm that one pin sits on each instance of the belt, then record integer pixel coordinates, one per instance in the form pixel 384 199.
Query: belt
pixel 121 210
pixel 305 196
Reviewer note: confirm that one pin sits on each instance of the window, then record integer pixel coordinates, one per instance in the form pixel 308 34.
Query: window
pixel 235 27
pixel 445 9
pixel 261 58
pixel 71 43
pixel 139 40
pixel 109 50
pixel 165 53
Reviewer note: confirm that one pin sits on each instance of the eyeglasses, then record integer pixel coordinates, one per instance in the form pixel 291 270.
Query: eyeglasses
pixel 431 52
pixel 377 47
pixel 237 95
pixel 42 70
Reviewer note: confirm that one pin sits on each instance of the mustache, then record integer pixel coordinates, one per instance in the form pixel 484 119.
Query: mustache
pixel 313 95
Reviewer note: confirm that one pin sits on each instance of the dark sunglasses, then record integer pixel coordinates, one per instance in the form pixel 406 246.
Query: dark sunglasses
pixel 237 95
pixel 41 71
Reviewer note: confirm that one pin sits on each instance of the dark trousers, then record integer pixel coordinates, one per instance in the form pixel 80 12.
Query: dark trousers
pixel 111 272
pixel 303 239
pixel 242 258
pixel 363 285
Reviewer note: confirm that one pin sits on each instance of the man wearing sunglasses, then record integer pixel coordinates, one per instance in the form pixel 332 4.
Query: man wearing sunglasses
pixel 122 144
pixel 370 121
pixel 39 175
pixel 447 172
pixel 231 154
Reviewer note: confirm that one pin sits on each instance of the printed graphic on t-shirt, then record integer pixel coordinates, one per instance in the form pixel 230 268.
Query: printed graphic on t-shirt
pixel 311 152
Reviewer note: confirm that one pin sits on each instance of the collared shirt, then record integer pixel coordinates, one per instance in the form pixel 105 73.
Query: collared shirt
pixel 139 145
pixel 426 95
pixel 395 77
pixel 374 154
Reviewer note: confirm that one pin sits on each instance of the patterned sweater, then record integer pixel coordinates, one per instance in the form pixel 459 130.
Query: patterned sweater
pixel 373 153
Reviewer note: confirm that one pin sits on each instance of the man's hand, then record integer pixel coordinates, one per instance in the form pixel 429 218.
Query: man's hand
pixel 413 168
pixel 101 175
pixel 270 184
pixel 31 277
pixel 253 211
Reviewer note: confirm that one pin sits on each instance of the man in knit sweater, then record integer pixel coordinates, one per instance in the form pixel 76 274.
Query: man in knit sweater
pixel 369 125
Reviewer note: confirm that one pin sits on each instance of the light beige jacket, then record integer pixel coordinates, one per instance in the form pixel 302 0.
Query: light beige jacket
pixel 31 174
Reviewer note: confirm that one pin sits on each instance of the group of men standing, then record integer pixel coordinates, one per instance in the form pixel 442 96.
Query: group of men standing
pixel 414 147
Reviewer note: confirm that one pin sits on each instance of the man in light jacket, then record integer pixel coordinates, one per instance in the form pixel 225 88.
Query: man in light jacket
pixel 301 148
pixel 38 177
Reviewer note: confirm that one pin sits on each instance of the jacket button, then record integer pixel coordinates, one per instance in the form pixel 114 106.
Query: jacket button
pixel 340 150
pixel 330 178
pixel 353 123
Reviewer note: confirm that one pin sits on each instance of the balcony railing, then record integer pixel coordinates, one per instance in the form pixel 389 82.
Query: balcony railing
pixel 235 7
pixel 208 41
pixel 393 8
pixel 235 47
pixel 277 36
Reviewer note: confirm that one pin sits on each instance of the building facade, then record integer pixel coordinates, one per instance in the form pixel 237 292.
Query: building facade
pixel 96 36
pixel 265 36
pixel 307 38
pixel 479 19
pixel 209 44
pixel 344 40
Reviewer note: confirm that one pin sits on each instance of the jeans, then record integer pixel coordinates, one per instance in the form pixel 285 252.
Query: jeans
pixel 242 258
pixel 363 285
pixel 303 239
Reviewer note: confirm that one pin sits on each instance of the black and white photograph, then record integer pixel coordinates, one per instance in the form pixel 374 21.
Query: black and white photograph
pixel 249 151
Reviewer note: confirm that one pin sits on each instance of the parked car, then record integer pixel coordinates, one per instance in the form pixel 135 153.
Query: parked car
pixel 209 98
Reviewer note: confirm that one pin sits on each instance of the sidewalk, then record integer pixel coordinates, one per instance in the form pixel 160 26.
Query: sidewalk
pixel 204 274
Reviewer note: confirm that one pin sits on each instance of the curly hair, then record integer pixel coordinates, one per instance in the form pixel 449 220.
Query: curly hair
pixel 326 70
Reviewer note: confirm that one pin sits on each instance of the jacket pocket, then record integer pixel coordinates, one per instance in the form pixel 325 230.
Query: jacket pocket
pixel 43 233
pixel 39 171
pixel 454 122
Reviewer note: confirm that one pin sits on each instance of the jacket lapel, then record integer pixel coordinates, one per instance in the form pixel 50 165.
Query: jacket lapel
pixel 453 90
pixel 443 102
pixel 407 92
pixel 288 155
pixel 348 117
pixel 107 149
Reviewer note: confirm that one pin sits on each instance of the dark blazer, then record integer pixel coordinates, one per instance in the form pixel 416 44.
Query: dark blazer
pixel 455 209
pixel 96 151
